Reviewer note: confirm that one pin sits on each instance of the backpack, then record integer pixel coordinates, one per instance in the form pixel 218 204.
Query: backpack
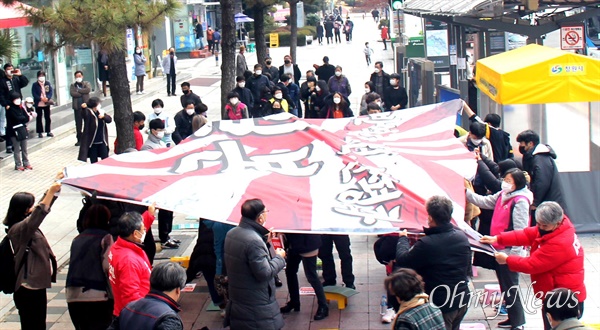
pixel 234 114
pixel 8 279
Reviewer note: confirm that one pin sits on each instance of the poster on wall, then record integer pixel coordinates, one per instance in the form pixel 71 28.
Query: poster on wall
pixel 436 43
pixel 183 34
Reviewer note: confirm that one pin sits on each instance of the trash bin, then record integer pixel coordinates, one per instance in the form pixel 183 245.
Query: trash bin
pixel 309 40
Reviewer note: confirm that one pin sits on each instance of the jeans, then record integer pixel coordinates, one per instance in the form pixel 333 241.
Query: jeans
pixel 20 150
pixel 342 245
pixel 310 270
pixel 165 225
pixel 94 315
pixel 384 44
pixel 509 286
pixel 39 127
pixel 453 319
pixel 32 308
pixel 200 43
pixel 97 150
pixel 78 123
pixel 171 88
pixel 139 85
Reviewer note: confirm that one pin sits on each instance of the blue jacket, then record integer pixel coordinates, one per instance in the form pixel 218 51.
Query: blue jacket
pixel 36 91
pixel 155 311
pixel 219 233
pixel 140 66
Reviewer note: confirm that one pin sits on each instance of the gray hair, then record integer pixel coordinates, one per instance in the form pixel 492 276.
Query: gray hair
pixel 128 223
pixel 167 277
pixel 549 213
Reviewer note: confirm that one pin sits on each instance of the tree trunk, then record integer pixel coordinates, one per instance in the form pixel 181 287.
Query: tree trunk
pixel 259 33
pixel 293 29
pixel 228 51
pixel 119 92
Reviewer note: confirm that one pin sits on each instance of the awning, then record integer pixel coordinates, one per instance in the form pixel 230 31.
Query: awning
pixel 12 16
pixel 447 7
pixel 535 74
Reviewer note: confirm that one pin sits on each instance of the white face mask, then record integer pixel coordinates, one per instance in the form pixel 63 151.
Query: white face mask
pixel 78 80
pixel 378 103
pixel 157 110
pixel 506 187
pixel 160 134
pixel 367 90
pixel 42 79
pixel 17 102
pixel 318 88
pixel 376 70
pixel 393 82
pixel 258 72
pixel 338 73
pixel 242 84
pixel 29 105
pixel 99 107
pixel 143 237
pixel 9 72
pixel 278 96
pixel 476 141
pixel 336 100
pixel 190 111
pixel 233 100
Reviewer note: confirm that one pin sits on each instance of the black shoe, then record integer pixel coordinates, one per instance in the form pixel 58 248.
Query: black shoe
pixel 49 135
pixel 174 240
pixel 322 312
pixel 9 150
pixel 278 282
pixel 289 306
pixel 40 135
pixel 174 94
pixel 168 94
pixel 351 286
pixel 327 283
pixel 77 144
pixel 504 324
pixel 170 245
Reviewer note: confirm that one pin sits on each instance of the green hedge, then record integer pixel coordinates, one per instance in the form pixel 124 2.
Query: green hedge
pixel 285 36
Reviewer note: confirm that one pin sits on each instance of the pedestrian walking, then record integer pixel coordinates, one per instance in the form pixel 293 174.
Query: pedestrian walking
pixel 368 52
pixel 199 31
pixel 42 93
pixel 35 263
pixel 251 272
pixel 140 70
pixel 209 38
pixel 169 66
pixel 384 36
pixel 348 28
pixel 103 69
pixel 17 117
pixel 89 298
pixel 329 29
pixel 94 140
pixel 337 27
pixel 216 41
pixel 320 32
pixel 80 92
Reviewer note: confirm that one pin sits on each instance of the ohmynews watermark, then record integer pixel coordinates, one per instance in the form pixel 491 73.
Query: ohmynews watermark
pixel 531 301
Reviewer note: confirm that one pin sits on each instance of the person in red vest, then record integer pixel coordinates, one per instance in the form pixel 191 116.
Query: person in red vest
pixel 384 36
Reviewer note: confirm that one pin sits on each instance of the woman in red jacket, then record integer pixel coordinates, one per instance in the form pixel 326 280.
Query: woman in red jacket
pixel 556 258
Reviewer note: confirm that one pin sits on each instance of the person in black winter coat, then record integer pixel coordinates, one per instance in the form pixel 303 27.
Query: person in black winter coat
pixel 188 95
pixel 329 30
pixel 183 123
pixel 441 257
pixel 538 161
pixel 256 83
pixel 262 106
pixel 325 71
pixel 317 98
pixel 499 139
pixel 203 259
pixel 336 105
pixel 289 66
pixel 380 79
pixel 271 70
pixel 11 80
pixel 17 115
pixel 303 247
pixel 395 97
pixel 245 94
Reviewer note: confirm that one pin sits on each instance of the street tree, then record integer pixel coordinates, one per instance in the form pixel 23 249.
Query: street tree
pixel 293 28
pixel 258 10
pixel 228 50
pixel 9 44
pixel 104 23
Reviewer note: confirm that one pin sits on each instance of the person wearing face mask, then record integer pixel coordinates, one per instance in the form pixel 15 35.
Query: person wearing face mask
pixel 94 142
pixel 244 93
pixel 556 258
pixel 337 106
pixel 138 125
pixel 251 272
pixel 271 71
pixel 31 247
pixel 140 70
pixel 394 96
pixel 369 88
pixel 278 96
pixel 188 96
pixel 159 308
pixel 499 139
pixel 158 113
pixel 17 118
pixel 156 134
pixel 183 123
pixel 290 67
pixel 80 92
pixel 169 64
pixel 42 97
pixel 257 83
pixel 11 81
pixel 240 62
pixel 234 109
pixel 476 140
pixel 538 161
pixel 511 212
pixel 129 267
pixel 380 78
pixel 285 84
pixel 339 83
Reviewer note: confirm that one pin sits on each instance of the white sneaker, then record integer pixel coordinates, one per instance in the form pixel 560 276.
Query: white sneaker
pixel 389 316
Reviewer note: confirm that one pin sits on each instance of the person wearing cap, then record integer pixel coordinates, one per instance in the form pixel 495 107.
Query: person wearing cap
pixel 325 71
pixel 271 71
pixel 395 97
pixel 94 140
pixel 241 67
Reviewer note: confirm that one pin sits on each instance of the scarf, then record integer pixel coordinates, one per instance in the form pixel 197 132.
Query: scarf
pixel 416 301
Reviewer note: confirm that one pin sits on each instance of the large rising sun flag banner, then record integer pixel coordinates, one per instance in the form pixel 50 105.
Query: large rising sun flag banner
pixel 364 175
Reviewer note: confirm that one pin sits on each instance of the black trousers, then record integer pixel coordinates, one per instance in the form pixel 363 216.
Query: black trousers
pixel 39 126
pixel 32 308
pixel 338 37
pixel 509 286
pixel 139 85
pixel 310 270
pixel 165 225
pixel 384 44
pixel 97 150
pixel 171 88
pixel 453 319
pixel 95 315
pixel 342 245
pixel 78 123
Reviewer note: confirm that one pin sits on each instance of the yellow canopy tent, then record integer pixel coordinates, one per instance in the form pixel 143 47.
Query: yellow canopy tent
pixel 535 74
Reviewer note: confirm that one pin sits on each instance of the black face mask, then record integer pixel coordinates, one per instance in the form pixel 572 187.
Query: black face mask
pixel 141 127
pixel 186 92
pixel 268 62
pixel 287 61
pixel 544 232
pixel 522 150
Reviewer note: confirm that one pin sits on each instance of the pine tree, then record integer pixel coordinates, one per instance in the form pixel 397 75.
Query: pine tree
pixel 228 40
